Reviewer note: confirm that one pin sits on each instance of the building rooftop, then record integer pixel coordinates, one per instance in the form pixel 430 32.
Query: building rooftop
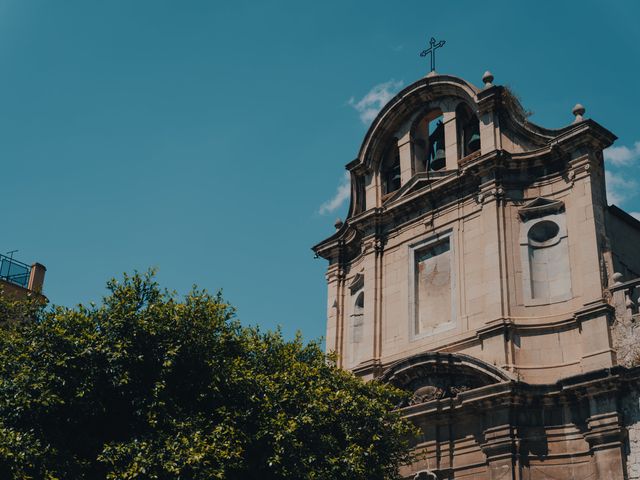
pixel 14 273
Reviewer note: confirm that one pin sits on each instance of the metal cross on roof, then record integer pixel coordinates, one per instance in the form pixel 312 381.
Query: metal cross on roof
pixel 432 51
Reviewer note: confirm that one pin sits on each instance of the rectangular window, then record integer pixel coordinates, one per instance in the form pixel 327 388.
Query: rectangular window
pixel 433 285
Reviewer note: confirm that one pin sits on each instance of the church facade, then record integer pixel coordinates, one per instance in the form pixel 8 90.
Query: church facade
pixel 481 268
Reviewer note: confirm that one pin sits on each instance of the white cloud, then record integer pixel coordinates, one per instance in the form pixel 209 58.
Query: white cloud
pixel 621 172
pixel 619 187
pixel 622 156
pixel 635 215
pixel 342 195
pixel 369 105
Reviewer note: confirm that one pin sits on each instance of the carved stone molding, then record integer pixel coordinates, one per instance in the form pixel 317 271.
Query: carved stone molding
pixel 436 389
pixel 436 376
pixel 539 207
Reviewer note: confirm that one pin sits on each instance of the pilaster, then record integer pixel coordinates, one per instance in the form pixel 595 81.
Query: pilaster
pixel 605 436
pixel 451 140
pixel 595 336
pixel 407 168
pixel 499 447
pixel 489 127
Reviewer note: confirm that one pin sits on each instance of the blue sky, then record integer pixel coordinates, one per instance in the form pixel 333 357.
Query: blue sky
pixel 208 139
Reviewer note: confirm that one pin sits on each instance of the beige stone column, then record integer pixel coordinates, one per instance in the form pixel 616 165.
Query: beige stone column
pixel 369 335
pixel 489 126
pixel 335 312
pixel 595 336
pixel 379 251
pixel 492 255
pixel 450 140
pixel 587 241
pixel 340 312
pixel 605 436
pixel 332 343
pixel 406 162
pixel 499 448
pixel 371 189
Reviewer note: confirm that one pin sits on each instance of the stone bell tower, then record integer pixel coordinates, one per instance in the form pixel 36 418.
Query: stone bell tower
pixel 477 268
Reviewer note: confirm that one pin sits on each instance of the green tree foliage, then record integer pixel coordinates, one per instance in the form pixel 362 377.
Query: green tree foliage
pixel 151 386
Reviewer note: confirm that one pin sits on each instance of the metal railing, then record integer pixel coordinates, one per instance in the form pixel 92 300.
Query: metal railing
pixel 14 271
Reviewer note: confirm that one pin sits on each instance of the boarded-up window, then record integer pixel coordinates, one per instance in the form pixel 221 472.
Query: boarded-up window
pixel 433 287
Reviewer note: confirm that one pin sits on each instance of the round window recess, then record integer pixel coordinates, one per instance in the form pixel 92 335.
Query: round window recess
pixel 543 231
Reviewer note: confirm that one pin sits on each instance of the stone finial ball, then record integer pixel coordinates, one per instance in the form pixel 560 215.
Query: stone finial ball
pixel 338 223
pixel 578 110
pixel 487 78
pixel 616 278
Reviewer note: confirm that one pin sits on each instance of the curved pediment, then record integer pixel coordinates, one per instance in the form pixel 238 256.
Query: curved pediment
pixel 437 133
pixel 434 376
pixel 408 104
pixel 449 91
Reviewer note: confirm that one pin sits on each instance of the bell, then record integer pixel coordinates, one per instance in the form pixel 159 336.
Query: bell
pixel 436 140
pixel 474 142
pixel 438 159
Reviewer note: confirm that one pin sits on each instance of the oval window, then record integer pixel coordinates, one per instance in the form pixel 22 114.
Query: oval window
pixel 543 231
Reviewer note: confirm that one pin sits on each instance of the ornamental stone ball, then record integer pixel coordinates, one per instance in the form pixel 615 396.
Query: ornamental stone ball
pixel 338 223
pixel 487 78
pixel 578 111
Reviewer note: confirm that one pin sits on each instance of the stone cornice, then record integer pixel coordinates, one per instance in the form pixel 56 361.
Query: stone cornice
pixel 369 368
pixel 594 310
pixel 457 183
pixel 515 393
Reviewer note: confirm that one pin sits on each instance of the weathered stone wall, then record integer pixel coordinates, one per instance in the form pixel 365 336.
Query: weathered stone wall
pixel 631 416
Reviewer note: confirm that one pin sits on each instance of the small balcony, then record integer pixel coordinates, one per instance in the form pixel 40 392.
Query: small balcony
pixel 14 273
